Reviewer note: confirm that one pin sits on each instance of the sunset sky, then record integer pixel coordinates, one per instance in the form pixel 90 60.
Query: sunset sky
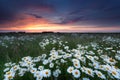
pixel 60 15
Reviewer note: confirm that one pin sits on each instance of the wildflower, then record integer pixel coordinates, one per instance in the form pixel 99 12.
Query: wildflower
pixel 76 73
pixel 51 65
pixel 58 70
pixel 115 74
pixel 90 57
pixel 39 78
pixel 91 53
pixel 33 70
pixel 6 69
pixel 68 55
pixel 78 56
pixel 9 75
pixel 36 59
pixel 16 67
pixel 46 73
pixel 41 68
pixel 55 74
pixel 89 72
pixel 70 69
pixel 63 61
pixel 54 57
pixel 26 59
pixel 77 65
pixel 53 52
pixel 96 57
pixel 8 64
pixel 45 62
pixel 107 67
pixel 38 75
pixel 104 56
pixel 44 56
pixel 117 57
pixel 22 71
pixel 66 47
pixel 96 65
pixel 75 60
pixel 100 75
pixel 83 59
pixel 101 67
pixel 110 61
pixel 85 79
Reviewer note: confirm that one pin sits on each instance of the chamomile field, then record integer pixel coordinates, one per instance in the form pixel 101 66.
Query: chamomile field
pixel 60 56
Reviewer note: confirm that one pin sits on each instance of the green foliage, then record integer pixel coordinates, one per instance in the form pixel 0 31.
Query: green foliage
pixel 28 45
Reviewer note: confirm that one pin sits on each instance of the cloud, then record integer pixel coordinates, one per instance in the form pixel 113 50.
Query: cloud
pixel 36 16
pixel 25 20
pixel 97 13
pixel 10 10
pixel 21 13
pixel 71 20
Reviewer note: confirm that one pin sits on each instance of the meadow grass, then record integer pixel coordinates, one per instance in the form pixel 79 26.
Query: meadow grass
pixel 13 49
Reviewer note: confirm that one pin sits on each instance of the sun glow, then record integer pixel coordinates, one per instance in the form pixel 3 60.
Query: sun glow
pixel 46 26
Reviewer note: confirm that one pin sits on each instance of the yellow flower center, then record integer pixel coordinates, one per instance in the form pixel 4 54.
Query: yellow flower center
pixel 76 72
pixel 111 60
pixel 70 70
pixel 76 64
pixel 33 70
pixel 8 73
pixel 107 68
pixel 99 75
pixel 28 63
pixel 114 73
pixel 94 65
pixel 10 77
pixel 116 67
pixel 46 72
pixel 15 67
pixel 89 72
pixel 101 66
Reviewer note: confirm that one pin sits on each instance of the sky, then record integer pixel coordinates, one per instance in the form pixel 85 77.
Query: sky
pixel 60 15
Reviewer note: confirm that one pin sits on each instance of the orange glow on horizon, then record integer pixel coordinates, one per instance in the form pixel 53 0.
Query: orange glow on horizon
pixel 59 28
pixel 32 24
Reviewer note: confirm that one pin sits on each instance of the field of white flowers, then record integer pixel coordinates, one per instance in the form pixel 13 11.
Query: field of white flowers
pixel 60 57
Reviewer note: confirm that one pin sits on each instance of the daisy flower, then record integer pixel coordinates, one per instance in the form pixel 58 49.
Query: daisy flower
pixel 46 73
pixel 39 78
pixel 41 68
pixel 33 70
pixel 70 69
pixel 51 65
pixel 115 74
pixel 99 74
pixel 76 73
pixel 77 65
